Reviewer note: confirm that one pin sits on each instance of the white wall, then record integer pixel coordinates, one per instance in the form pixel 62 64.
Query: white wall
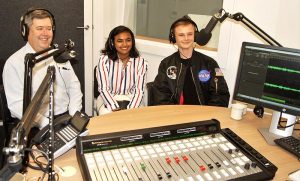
pixel 279 18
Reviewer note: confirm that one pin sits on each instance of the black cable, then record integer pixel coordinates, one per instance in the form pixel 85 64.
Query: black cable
pixel 280 121
pixel 57 177
pixel 40 164
pixel 58 68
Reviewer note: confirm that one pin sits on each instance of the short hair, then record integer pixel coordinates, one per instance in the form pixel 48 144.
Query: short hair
pixel 110 49
pixel 34 13
pixel 37 13
pixel 185 20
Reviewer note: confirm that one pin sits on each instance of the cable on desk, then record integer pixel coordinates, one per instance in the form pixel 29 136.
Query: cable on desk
pixel 41 166
pixel 281 126
pixel 56 177
pixel 35 159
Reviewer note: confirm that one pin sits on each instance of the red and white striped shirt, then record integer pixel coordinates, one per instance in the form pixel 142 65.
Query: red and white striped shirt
pixel 115 79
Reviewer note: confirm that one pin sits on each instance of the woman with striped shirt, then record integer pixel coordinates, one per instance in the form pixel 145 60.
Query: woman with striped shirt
pixel 121 73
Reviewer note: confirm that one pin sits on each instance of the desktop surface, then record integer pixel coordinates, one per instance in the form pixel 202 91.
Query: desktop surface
pixel 156 116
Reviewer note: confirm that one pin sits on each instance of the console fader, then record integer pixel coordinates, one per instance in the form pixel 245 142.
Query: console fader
pixel 185 152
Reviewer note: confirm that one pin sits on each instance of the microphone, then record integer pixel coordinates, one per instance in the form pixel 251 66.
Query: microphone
pixel 53 46
pixel 204 35
pixel 65 54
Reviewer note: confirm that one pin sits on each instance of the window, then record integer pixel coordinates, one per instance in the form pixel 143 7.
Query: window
pixel 154 17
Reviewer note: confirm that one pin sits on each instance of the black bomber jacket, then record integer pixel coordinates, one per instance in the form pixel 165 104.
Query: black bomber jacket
pixel 210 84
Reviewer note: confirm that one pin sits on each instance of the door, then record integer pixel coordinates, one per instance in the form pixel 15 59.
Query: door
pixel 68 16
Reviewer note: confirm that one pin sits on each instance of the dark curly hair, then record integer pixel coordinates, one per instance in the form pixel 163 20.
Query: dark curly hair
pixel 110 49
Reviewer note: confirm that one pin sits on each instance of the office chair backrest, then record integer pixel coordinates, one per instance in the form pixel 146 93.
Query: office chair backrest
pixel 2 63
pixel 96 92
pixel 4 111
pixel 2 138
pixel 5 118
pixel 150 95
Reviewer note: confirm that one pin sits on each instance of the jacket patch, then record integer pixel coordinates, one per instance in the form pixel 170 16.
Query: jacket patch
pixel 171 72
pixel 219 72
pixel 204 75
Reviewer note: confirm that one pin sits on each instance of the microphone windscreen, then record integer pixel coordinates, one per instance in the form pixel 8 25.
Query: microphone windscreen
pixel 65 56
pixel 202 37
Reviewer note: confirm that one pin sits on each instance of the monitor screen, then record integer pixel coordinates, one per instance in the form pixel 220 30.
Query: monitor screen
pixel 269 76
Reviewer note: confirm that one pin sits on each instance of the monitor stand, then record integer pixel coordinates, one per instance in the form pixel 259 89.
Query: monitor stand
pixel 275 132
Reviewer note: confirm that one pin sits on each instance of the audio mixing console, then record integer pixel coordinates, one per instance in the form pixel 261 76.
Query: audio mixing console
pixel 185 152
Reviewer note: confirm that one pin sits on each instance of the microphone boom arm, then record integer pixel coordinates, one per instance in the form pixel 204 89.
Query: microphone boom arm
pixel 30 61
pixel 18 139
pixel 242 18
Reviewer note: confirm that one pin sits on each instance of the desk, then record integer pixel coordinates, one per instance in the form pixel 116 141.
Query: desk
pixel 167 115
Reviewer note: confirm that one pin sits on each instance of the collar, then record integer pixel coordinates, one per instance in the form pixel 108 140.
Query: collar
pixel 29 48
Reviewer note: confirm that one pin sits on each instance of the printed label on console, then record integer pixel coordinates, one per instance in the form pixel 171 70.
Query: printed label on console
pixel 101 142
pixel 160 134
pixel 186 130
pixel 131 138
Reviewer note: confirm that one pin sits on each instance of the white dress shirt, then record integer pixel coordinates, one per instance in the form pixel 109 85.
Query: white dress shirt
pixel 67 92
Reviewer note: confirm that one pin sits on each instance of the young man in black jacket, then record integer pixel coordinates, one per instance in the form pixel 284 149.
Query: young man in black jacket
pixel 187 76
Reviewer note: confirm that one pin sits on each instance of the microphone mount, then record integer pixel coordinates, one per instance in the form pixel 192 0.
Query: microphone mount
pixel 16 148
pixel 247 22
pixel 242 18
pixel 31 59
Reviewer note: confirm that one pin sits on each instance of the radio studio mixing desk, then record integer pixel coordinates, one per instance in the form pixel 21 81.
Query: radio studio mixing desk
pixel 185 152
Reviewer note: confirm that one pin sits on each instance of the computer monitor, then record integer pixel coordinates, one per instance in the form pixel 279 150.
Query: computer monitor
pixel 269 76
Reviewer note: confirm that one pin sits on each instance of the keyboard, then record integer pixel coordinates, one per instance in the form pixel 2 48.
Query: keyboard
pixel 290 144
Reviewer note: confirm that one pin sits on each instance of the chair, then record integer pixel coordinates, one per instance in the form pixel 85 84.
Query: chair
pixel 5 117
pixel 2 138
pixel 2 63
pixel 4 111
pixel 7 123
pixel 96 92
pixel 150 94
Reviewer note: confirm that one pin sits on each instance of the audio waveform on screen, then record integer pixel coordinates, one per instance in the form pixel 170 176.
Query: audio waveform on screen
pixel 283 69
pixel 281 87
pixel 273 99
